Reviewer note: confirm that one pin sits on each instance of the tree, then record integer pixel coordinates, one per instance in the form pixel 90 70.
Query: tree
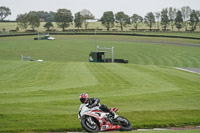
pixel 157 15
pixel 78 20
pixel 63 18
pixel 4 12
pixel 45 16
pixel 198 15
pixel 22 21
pixel 164 18
pixel 48 25
pixel 186 11
pixel 17 28
pixel 87 15
pixel 122 19
pixel 194 20
pixel 136 19
pixel 108 20
pixel 179 20
pixel 172 16
pixel 149 19
pixel 50 17
pixel 33 21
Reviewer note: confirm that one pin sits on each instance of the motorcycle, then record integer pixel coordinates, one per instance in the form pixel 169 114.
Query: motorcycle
pixel 95 120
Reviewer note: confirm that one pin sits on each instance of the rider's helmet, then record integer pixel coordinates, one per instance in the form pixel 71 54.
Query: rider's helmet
pixel 84 97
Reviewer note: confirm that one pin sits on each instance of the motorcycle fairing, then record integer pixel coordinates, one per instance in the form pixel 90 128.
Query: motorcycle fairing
pixel 103 124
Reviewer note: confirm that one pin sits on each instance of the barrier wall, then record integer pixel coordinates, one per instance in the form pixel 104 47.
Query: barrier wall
pixel 121 34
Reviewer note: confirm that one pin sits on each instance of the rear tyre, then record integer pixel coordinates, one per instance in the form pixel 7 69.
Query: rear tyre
pixel 124 124
pixel 89 124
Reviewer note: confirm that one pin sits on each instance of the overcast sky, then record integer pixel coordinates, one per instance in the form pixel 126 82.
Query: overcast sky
pixel 96 7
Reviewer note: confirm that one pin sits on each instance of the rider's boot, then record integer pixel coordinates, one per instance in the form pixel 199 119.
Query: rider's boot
pixel 113 114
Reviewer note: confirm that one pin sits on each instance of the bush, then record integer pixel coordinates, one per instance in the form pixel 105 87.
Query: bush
pixel 4 29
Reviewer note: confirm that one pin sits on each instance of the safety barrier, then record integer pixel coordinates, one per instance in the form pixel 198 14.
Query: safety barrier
pixel 91 33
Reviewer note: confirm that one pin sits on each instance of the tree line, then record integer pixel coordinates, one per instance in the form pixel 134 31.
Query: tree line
pixel 173 17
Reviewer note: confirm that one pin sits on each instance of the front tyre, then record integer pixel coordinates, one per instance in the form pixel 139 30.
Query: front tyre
pixel 89 124
pixel 124 124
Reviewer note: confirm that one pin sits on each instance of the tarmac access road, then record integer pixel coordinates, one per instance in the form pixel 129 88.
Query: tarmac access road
pixel 192 70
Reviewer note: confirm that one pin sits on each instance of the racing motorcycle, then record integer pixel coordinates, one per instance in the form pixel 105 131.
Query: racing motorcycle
pixel 95 120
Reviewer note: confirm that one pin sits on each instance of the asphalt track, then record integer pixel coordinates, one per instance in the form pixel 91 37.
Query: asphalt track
pixel 164 43
pixel 171 43
pixel 192 70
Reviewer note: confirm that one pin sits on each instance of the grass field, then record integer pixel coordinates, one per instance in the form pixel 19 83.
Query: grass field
pixel 44 96
pixel 91 25
pixel 138 50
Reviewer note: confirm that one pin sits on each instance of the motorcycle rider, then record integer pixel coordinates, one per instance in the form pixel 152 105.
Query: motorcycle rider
pixel 93 102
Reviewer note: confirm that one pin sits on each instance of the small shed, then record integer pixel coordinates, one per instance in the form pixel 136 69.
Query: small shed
pixel 97 57
pixel 100 56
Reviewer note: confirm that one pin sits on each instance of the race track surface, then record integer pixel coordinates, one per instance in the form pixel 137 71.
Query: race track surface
pixel 193 70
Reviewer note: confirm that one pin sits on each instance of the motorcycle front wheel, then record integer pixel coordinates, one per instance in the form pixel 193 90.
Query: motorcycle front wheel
pixel 124 123
pixel 89 124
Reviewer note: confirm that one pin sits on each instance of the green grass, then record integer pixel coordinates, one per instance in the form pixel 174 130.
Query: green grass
pixel 137 50
pixel 44 96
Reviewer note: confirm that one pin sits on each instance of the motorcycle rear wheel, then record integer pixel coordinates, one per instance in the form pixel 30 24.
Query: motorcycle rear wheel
pixel 86 124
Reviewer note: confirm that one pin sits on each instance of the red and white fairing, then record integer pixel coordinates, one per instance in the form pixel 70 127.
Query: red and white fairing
pixel 99 115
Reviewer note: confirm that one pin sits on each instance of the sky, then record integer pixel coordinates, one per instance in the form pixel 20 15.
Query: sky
pixel 96 7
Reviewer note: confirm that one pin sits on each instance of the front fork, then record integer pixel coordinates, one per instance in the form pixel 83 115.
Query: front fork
pixel 89 119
